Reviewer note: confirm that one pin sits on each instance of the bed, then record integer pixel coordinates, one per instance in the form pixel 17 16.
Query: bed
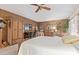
pixel 44 45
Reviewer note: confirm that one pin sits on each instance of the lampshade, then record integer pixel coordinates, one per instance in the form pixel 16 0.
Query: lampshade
pixel 54 27
pixel 36 28
pixel 2 24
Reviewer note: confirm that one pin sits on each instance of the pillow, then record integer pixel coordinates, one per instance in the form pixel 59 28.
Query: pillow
pixel 69 39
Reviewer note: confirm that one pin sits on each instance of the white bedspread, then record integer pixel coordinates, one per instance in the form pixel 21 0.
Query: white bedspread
pixel 44 45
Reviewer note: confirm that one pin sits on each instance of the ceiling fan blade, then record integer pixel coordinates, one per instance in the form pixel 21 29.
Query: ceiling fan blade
pixel 41 6
pixel 34 4
pixel 47 8
pixel 37 9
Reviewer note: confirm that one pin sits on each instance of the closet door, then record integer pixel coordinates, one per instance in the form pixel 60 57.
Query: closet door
pixel 9 35
pixel 20 30
pixel 15 31
pixel 0 36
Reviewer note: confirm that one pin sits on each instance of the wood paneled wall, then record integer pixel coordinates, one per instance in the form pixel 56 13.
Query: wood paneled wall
pixel 45 24
pixel 14 28
pixel 59 23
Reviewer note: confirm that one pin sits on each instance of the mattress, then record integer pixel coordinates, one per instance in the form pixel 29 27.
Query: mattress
pixel 44 45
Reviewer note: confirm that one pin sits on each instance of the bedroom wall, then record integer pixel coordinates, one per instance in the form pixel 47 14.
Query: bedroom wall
pixel 11 18
pixel 58 23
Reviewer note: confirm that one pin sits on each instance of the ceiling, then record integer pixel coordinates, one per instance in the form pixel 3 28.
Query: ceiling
pixel 57 12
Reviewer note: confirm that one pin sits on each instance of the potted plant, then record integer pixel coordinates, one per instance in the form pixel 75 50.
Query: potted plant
pixel 66 25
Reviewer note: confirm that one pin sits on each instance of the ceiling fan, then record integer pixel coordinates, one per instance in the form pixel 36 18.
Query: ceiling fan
pixel 41 6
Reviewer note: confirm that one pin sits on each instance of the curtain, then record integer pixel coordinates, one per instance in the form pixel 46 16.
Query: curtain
pixel 73 26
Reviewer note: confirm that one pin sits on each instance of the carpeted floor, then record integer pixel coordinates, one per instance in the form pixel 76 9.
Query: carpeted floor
pixel 10 50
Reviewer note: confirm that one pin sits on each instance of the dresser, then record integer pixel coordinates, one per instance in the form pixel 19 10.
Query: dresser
pixel 47 33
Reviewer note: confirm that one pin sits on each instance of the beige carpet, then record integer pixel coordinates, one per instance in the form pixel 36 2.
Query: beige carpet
pixel 10 50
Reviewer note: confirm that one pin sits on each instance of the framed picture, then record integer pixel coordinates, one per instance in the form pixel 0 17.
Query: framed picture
pixel 27 27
